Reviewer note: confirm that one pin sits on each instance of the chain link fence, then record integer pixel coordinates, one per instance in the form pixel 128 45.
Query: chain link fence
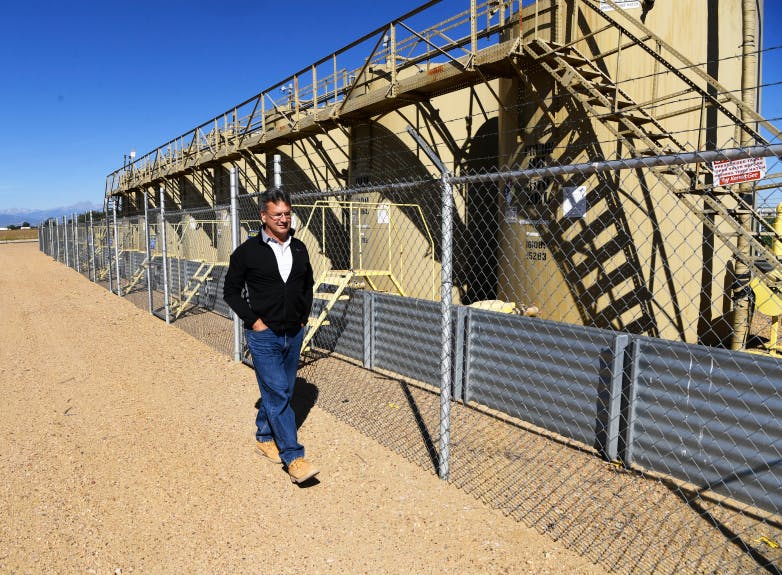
pixel 563 297
pixel 554 340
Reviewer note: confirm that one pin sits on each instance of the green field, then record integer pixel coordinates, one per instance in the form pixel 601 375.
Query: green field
pixel 11 235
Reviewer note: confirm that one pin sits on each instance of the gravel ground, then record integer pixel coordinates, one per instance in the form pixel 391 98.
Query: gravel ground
pixel 127 448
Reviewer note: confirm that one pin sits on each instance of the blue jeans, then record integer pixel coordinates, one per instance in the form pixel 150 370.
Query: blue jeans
pixel 276 359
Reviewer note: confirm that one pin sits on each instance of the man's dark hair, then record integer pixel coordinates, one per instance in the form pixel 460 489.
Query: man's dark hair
pixel 275 195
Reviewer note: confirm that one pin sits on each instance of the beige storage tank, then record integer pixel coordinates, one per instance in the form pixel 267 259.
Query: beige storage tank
pixel 617 250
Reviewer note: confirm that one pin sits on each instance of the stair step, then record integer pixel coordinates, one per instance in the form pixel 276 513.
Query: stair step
pixel 632 118
pixel 607 90
pixel 334 279
pixel 573 59
pixel 589 75
pixel 326 296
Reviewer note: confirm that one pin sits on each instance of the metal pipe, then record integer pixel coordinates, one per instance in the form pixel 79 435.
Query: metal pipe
pixel 149 251
pixel 589 168
pixel 107 250
pixel 166 295
pixel 91 252
pixel 446 295
pixel 742 275
pixel 65 231
pixel 235 244
pixel 116 245
pixel 76 241
pixel 556 22
pixel 776 244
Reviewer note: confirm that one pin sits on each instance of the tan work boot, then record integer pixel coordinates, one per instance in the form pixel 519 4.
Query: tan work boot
pixel 268 449
pixel 301 470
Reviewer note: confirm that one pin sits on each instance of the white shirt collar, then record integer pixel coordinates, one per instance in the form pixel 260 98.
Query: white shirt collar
pixel 267 238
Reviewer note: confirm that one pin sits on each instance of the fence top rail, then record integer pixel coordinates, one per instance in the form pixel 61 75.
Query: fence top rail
pixel 586 168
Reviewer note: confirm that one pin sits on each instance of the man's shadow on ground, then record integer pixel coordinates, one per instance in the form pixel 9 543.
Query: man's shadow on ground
pixel 305 395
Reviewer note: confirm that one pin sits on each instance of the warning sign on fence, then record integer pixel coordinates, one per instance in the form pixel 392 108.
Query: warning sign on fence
pixel 623 4
pixel 727 172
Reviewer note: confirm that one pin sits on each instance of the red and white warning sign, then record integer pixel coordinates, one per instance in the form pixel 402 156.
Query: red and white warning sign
pixel 727 172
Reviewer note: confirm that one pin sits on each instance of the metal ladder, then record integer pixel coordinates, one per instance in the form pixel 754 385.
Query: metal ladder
pixel 137 275
pixel 331 287
pixel 643 134
pixel 194 283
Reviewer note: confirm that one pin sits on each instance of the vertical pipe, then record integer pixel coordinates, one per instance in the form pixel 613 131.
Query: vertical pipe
pixel 360 239
pixel 315 91
pixel 776 244
pixel 149 251
pixel 116 245
pixel 65 231
pixel 473 32
pixel 57 237
pixel 166 295
pixel 556 22
pixel 336 79
pixel 234 245
pixel 749 80
pixel 352 235
pixel 107 249
pixel 394 80
pixel 76 241
pixel 446 293
pixel 91 252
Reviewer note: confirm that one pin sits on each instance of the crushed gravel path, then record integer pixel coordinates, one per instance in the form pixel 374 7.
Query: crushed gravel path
pixel 127 448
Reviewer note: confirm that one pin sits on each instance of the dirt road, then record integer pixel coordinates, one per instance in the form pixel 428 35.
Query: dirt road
pixel 127 448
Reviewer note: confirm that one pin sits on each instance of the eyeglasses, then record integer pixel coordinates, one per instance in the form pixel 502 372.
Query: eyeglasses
pixel 278 217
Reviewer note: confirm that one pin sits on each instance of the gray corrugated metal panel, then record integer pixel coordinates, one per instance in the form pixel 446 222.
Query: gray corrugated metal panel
pixel 210 294
pixel 344 333
pixel 710 417
pixel 216 290
pixel 550 374
pixel 175 267
pixel 407 337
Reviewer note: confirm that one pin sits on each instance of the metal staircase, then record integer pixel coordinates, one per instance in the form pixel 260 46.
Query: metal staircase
pixel 137 275
pixel 332 286
pixel 641 132
pixel 194 283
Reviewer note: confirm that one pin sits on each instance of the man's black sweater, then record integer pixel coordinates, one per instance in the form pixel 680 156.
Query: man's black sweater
pixel 282 305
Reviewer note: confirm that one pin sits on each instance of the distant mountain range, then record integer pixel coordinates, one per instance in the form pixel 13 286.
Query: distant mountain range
pixel 16 217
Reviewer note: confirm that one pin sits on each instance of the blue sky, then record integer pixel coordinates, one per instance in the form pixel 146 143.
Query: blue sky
pixel 84 82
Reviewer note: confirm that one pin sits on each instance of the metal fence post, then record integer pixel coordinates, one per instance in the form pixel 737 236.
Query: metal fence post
pixel 116 246
pixel 446 295
pixel 91 252
pixel 57 237
pixel 76 241
pixel 149 252
pixel 109 244
pixel 235 244
pixel 166 302
pixel 65 231
pixel 368 323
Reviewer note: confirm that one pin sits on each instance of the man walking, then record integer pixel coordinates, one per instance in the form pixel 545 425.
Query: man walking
pixel 275 268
